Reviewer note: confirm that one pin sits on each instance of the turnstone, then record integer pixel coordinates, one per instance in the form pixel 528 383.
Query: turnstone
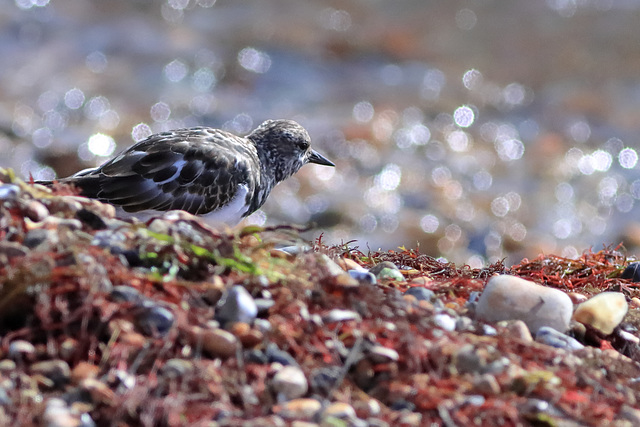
pixel 201 170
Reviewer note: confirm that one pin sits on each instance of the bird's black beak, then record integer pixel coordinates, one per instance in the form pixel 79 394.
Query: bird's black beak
pixel 317 158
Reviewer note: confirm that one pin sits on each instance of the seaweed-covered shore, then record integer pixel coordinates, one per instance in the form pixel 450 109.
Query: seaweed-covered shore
pixel 170 322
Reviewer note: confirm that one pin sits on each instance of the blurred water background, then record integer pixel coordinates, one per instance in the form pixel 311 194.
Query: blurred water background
pixel 476 130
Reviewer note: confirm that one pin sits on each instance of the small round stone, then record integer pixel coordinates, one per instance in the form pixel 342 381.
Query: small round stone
pixel 37 236
pixel 21 348
pixel 123 293
pixel 509 298
pixel 12 249
pixel 289 383
pixel 363 277
pixel 376 269
pixel 577 298
pixel 486 384
pixel 552 337
pixel 303 408
pixel 340 315
pixel 275 355
pixel 57 371
pixel 632 272
pixel 604 311
pixel 9 192
pixel 340 410
pixel 421 294
pixel 218 342
pixel 332 269
pixel 390 274
pixel 36 211
pixel 444 321
pixel 323 380
pixel 84 370
pixel 380 354
pixel 154 319
pixel 176 368
pixel 236 305
pixel 517 329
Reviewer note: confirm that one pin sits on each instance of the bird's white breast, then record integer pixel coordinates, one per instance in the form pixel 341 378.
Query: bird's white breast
pixel 232 212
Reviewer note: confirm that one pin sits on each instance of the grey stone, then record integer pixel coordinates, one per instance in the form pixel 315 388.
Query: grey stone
pixel 236 305
pixel 511 298
pixel 552 337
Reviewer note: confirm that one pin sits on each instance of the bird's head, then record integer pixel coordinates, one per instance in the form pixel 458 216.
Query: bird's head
pixel 284 147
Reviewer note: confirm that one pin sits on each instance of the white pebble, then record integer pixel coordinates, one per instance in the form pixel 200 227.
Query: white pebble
pixel 604 311
pixel 511 298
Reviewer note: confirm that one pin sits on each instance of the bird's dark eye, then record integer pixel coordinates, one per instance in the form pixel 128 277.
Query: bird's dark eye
pixel 303 144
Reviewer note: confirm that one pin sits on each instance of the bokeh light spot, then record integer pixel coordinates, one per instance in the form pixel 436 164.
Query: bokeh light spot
pixel 101 145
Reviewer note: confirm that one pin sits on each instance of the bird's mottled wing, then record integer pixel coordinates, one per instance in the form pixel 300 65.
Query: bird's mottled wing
pixel 196 170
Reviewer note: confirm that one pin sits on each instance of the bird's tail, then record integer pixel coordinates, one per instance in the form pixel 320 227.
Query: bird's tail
pixel 89 186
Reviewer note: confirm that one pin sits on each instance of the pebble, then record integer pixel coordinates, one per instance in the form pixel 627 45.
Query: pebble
pixel 91 219
pixel 390 274
pixel 99 391
pixel 7 366
pixel 380 354
pixel 340 315
pixel 57 371
pixel 121 380
pixel 421 294
pixel 154 319
pixel 510 298
pixel 217 342
pixel 550 336
pixel 632 272
pixel 303 408
pixel 376 269
pixel 577 298
pixel 348 264
pixel 464 324
pixel 486 384
pixel 603 312
pixel 263 305
pixel 275 355
pixel 58 414
pixel 472 302
pixel 249 337
pixel 53 222
pixel 323 380
pixel 289 383
pixel 236 305
pixel 9 192
pixel 176 368
pixel 444 321
pixel 12 249
pixel 421 281
pixel 123 293
pixel 470 360
pixel 363 277
pixel 489 331
pixel 84 370
pixel 4 398
pixel 517 329
pixel 340 410
pixel 37 236
pixel 630 414
pixel 36 211
pixel 294 249
pixel 332 269
pixel 21 348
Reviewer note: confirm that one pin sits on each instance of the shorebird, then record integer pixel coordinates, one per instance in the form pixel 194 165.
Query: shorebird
pixel 201 170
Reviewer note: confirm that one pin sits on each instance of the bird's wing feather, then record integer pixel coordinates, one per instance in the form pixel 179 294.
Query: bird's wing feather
pixel 194 170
